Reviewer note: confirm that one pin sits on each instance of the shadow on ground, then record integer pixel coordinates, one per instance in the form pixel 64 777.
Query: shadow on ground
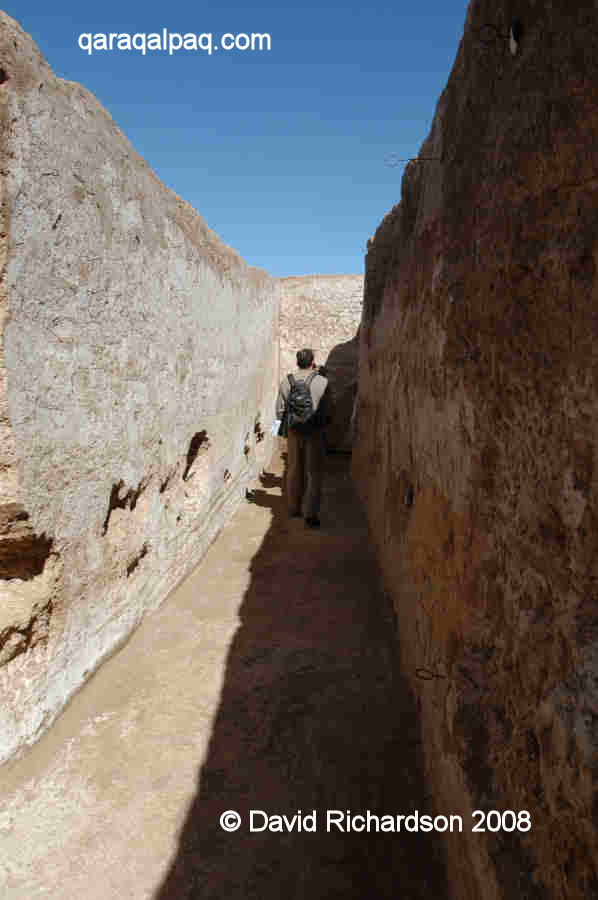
pixel 314 715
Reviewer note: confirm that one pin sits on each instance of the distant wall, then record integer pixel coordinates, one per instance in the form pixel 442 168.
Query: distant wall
pixel 323 312
pixel 477 449
pixel 139 375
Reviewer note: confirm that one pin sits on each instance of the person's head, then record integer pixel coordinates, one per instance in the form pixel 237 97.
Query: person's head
pixel 305 358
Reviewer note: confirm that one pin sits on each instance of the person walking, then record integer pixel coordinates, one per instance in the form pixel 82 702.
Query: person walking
pixel 304 407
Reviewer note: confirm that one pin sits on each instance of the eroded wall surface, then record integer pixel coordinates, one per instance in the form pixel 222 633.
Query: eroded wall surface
pixel 323 312
pixel 139 374
pixel 478 439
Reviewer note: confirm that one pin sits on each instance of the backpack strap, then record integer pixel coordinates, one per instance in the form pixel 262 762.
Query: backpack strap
pixel 307 382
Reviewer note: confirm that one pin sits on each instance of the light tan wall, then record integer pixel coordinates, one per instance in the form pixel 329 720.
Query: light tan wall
pixel 139 376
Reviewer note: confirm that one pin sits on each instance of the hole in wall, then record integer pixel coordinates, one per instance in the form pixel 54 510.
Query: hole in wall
pixel 115 502
pixel 129 499
pixel 135 562
pixel 199 441
pixel 257 430
pixel 168 479
pixel 14 641
pixel 23 553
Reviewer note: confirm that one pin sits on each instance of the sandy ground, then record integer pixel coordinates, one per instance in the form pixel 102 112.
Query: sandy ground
pixel 268 681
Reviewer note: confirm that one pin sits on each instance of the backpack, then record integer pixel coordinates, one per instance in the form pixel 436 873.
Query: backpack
pixel 300 409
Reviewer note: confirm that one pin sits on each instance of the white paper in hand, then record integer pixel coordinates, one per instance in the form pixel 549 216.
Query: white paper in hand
pixel 275 426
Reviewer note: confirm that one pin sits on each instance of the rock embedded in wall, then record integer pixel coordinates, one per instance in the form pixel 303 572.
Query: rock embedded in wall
pixel 138 377
pixel 478 414
pixel 323 312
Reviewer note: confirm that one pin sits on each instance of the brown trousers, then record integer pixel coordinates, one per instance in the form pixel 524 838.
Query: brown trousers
pixel 305 467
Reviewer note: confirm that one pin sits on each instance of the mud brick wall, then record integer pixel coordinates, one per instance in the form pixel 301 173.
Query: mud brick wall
pixel 478 441
pixel 139 372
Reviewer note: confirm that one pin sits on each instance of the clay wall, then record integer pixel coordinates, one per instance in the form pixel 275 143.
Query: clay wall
pixel 139 373
pixel 478 441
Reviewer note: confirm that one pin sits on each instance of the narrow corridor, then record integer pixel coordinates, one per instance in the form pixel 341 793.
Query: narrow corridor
pixel 269 681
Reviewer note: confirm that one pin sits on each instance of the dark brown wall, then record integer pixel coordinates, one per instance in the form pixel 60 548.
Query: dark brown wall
pixel 478 418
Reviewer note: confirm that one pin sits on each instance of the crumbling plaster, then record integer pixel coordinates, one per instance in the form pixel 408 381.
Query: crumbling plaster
pixel 130 329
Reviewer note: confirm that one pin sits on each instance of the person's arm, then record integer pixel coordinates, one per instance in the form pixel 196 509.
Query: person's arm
pixel 280 404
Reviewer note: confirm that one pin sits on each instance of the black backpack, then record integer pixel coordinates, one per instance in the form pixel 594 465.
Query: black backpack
pixel 300 409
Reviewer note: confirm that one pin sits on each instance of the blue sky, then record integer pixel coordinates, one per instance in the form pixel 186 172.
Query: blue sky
pixel 284 153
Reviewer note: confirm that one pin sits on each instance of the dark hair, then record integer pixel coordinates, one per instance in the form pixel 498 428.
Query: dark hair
pixel 305 358
pixel 323 371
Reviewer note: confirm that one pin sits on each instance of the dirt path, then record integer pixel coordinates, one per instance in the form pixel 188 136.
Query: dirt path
pixel 266 681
